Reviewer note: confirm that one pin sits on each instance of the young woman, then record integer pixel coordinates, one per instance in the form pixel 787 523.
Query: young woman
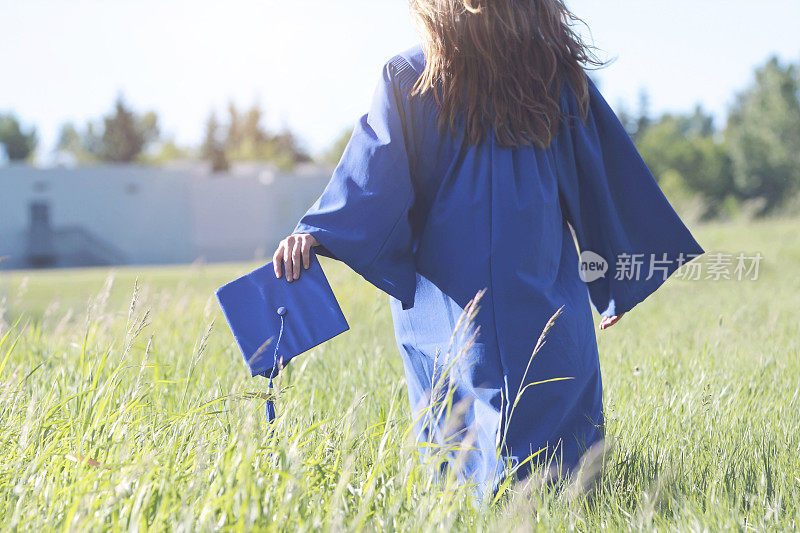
pixel 484 151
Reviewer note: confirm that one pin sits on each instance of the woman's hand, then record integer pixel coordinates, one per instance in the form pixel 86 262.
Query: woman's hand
pixel 609 321
pixel 292 252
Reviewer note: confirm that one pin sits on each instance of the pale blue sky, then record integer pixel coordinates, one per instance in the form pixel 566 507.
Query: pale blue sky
pixel 313 63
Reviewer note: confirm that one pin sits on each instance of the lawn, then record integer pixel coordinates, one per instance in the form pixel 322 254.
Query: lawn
pixel 125 405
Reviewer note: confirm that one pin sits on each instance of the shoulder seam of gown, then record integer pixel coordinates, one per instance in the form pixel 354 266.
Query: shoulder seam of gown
pixel 406 76
pixel 404 72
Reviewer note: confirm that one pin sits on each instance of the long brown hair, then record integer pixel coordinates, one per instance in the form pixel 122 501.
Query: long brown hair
pixel 501 63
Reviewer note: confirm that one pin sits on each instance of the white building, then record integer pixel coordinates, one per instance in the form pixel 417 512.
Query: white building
pixel 127 214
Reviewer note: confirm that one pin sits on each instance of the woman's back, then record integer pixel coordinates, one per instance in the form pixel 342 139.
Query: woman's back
pixel 470 235
pixel 463 191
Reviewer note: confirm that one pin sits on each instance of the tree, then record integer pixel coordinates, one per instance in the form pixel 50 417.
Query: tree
pixel 763 135
pixel 636 125
pixel 19 145
pixel 167 151
pixel 69 138
pixel 644 121
pixel 122 138
pixel 213 149
pixel 125 135
pixel 246 139
pixel 235 136
pixel 685 148
pixel 85 146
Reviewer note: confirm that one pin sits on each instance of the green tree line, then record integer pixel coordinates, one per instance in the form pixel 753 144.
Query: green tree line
pixel 18 143
pixel 244 138
pixel 752 162
pixel 124 136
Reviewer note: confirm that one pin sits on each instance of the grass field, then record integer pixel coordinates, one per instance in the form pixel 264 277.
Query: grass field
pixel 126 417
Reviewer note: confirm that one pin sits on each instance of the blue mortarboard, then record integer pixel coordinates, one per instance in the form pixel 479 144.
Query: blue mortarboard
pixel 274 321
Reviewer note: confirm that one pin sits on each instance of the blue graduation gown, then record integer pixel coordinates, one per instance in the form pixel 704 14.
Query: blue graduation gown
pixel 432 220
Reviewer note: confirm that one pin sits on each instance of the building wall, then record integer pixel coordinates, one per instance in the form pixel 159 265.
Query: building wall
pixel 143 215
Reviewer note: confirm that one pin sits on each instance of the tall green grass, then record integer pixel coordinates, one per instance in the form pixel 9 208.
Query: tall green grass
pixel 124 405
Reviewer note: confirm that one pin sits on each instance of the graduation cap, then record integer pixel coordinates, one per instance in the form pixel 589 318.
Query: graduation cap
pixel 274 321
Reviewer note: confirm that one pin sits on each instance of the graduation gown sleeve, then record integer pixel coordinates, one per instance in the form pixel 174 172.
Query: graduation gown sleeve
pixel 362 216
pixel 615 207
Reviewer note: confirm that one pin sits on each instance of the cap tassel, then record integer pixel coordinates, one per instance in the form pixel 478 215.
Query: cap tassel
pixel 270 408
